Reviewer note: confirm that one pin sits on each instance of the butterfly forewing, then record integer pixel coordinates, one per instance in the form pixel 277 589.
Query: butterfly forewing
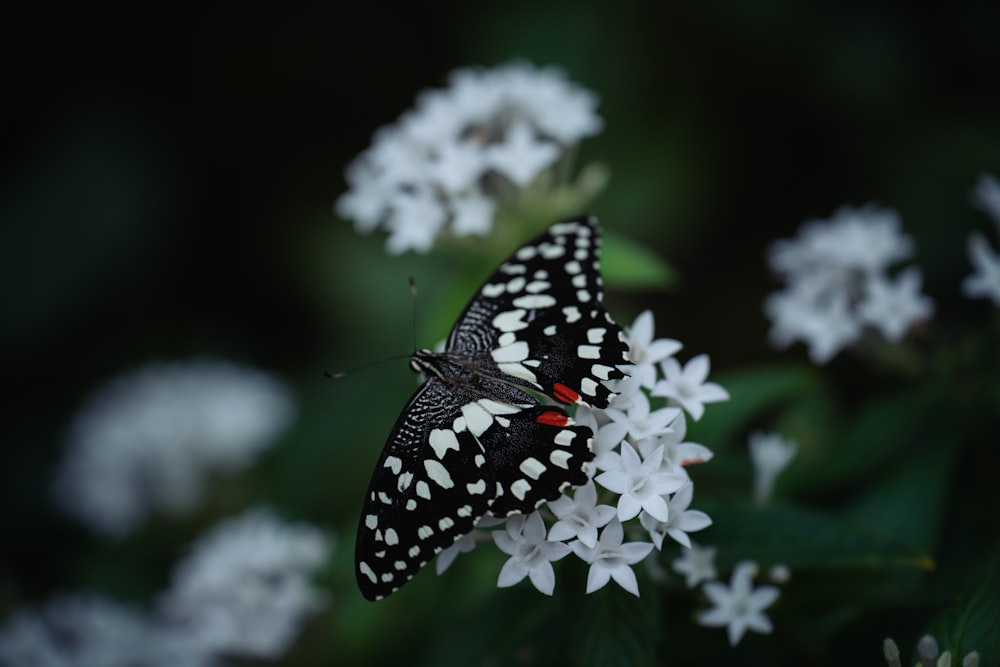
pixel 470 442
pixel 539 318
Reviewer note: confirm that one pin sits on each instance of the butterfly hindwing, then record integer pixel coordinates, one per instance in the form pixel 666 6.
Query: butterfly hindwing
pixel 535 457
pixel 430 486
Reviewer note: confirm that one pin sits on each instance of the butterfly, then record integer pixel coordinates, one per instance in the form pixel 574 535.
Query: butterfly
pixel 475 440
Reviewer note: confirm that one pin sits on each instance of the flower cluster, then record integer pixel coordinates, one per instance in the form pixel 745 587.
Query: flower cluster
pixel 150 440
pixel 838 282
pixel 985 282
pixel 639 475
pixel 449 161
pixel 243 591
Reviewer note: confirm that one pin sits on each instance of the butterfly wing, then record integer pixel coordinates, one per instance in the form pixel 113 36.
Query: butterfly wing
pixel 458 452
pixel 538 319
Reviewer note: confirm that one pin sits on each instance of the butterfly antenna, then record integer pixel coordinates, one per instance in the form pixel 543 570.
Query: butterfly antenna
pixel 413 298
pixel 339 374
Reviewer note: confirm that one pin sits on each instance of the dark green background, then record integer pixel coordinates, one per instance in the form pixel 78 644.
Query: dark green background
pixel 167 188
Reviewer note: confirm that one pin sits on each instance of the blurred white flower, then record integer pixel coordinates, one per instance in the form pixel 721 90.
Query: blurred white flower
pixel 837 282
pixel 986 197
pixel 80 630
pixel 686 386
pixel 150 440
pixel 245 587
pixel 610 558
pixel 770 454
pixel 739 607
pixel 984 283
pixel 868 239
pixel 453 157
pixel 893 306
pixel 697 564
pixel 531 555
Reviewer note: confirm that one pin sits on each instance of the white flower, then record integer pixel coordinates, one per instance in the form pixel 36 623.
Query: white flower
pixel 150 440
pixel 245 588
pixel 641 484
pixel 447 163
pixel 580 516
pixel 986 197
pixel 837 282
pixel 815 311
pixel 83 630
pixel 464 544
pixel 644 352
pixel 893 307
pixel 680 521
pixel 610 559
pixel 985 282
pixel 780 573
pixel 641 421
pixel 521 156
pixel 867 239
pixel 770 454
pixel 531 555
pixel 677 454
pixel 739 607
pixel 687 387
pixel 607 436
pixel 696 563
pixel 627 390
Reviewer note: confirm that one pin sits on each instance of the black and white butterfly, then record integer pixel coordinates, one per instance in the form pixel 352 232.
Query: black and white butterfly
pixel 471 441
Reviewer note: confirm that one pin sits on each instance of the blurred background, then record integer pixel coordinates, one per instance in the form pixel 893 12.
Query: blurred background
pixel 169 175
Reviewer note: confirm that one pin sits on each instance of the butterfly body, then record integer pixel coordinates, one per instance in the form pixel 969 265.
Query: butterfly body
pixel 474 440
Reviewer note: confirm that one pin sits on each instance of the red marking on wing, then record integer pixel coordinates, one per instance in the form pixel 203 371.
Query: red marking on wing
pixel 552 418
pixel 564 393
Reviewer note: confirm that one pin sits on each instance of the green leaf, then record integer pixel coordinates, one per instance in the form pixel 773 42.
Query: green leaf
pixel 754 392
pixel 910 501
pixel 628 264
pixel 873 438
pixel 973 622
pixel 615 628
pixel 801 538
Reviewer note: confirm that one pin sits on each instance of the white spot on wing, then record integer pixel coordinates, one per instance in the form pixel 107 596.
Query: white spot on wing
pixel 477 418
pixel 535 301
pixel 393 463
pixel 520 488
pixel 493 290
pixel 438 473
pixel 478 488
pixel 532 467
pixel 560 457
pixel 565 437
pixel 512 320
pixel 441 440
pixel 588 351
